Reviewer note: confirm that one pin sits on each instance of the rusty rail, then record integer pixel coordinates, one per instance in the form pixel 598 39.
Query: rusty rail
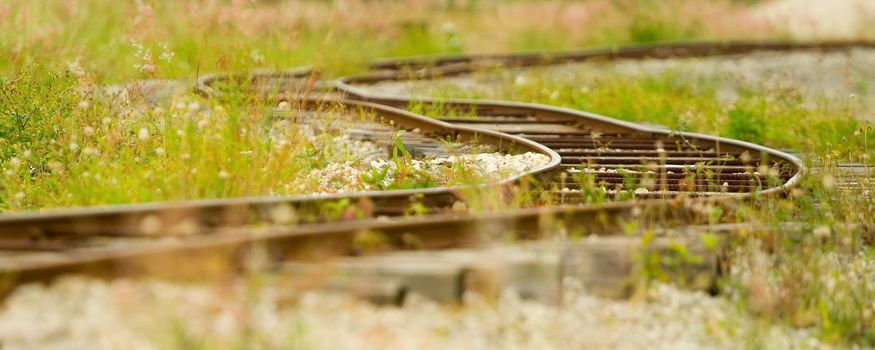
pixel 689 172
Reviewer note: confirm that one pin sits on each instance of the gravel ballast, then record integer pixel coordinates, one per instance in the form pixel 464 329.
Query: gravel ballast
pixel 81 313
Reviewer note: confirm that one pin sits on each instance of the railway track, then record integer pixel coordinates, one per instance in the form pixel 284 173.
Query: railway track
pixel 602 175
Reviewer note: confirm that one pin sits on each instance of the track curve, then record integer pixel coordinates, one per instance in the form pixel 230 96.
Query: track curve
pixel 426 68
pixel 669 174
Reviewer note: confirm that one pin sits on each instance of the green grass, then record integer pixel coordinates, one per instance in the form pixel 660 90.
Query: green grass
pixel 780 118
pixel 209 36
pixel 62 144
pixel 814 277
pixel 71 146
pixel 65 145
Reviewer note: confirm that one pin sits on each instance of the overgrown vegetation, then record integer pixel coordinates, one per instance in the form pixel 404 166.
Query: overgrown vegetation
pixel 63 142
pixel 67 145
pixel 806 259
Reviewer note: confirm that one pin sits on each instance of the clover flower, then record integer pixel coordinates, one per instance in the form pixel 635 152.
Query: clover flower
pixel 143 134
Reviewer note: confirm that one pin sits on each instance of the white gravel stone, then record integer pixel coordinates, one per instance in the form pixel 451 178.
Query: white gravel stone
pixel 487 167
pixel 79 313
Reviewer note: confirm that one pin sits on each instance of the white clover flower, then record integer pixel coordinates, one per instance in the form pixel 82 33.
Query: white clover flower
pixel 9 172
pixel 159 151
pixel 19 195
pixel 74 147
pixel 15 162
pixel 107 120
pixel 224 175
pixel 88 130
pixel 84 104
pixel 143 134
pixel 76 68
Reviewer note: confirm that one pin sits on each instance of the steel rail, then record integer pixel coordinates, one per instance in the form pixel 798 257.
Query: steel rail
pixel 225 232
pixel 424 68
pixel 126 220
pixel 466 63
pixel 231 247
pixel 592 118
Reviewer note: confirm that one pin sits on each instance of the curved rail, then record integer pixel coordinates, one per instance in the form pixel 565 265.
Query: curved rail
pixel 437 67
pixel 576 141
pixel 127 219
pixel 461 64
pixel 594 123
